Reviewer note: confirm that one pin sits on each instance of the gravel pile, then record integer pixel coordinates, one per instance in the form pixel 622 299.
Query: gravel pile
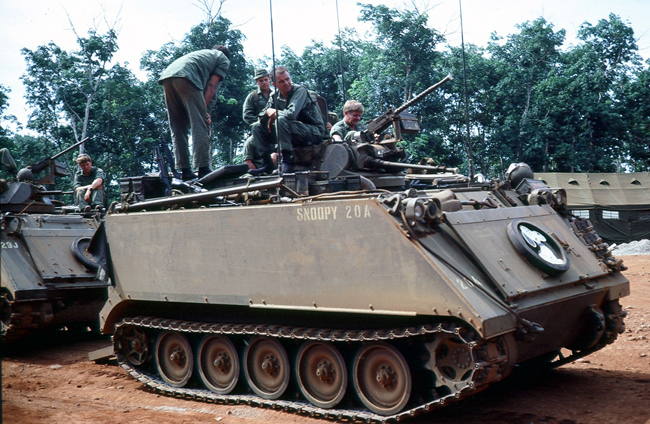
pixel 639 247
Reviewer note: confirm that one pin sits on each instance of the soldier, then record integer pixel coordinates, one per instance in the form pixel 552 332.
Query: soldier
pixel 88 184
pixel 256 102
pixel 8 162
pixel 190 84
pixel 297 119
pixel 352 113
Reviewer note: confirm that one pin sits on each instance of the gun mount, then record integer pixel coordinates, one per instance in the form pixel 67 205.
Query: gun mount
pixel 400 120
pixel 56 168
pixel 27 195
pixel 376 159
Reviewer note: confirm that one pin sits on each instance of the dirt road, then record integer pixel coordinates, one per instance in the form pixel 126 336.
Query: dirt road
pixel 51 380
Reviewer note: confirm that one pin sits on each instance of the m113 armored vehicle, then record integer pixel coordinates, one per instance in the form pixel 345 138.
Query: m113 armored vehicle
pixel 47 277
pixel 309 294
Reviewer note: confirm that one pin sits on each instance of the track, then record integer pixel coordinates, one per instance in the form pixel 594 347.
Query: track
pixel 492 367
pixel 19 319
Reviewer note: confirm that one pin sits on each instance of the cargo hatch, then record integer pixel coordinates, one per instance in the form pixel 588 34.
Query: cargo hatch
pixel 46 247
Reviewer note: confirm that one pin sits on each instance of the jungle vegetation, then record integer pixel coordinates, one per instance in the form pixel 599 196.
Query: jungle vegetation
pixel 585 108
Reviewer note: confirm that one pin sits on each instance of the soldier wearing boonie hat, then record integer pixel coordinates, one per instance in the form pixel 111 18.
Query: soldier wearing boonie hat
pixel 256 102
pixel 259 73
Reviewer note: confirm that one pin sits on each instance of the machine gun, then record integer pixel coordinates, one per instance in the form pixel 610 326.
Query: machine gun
pixel 400 120
pixel 367 153
pixel 56 168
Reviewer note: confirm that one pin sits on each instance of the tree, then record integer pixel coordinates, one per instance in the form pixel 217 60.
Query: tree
pixel 320 68
pixel 123 130
pixel 77 95
pixel 5 133
pixel 523 62
pixel 582 109
pixel 635 113
pixel 482 76
pixel 583 126
pixel 62 86
pixel 399 63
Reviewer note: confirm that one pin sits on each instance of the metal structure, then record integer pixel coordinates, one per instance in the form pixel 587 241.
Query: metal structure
pixel 305 295
pixel 47 277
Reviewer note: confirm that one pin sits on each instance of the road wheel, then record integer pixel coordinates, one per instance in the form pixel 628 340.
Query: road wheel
pixel 134 345
pixel 322 375
pixel 218 364
pixel 174 358
pixel 267 367
pixel 382 378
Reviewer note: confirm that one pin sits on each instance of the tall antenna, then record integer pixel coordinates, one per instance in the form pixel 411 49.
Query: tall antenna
pixel 470 155
pixel 338 24
pixel 275 91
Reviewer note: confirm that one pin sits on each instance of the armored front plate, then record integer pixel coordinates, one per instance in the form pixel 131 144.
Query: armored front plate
pixel 485 233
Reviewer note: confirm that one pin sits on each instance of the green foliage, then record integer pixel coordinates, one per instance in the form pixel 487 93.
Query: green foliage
pixel 5 133
pixel 62 86
pixel 400 62
pixel 583 109
pixel 634 110
pixel 522 62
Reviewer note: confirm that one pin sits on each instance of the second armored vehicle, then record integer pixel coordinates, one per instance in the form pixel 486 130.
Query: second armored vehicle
pixel 48 278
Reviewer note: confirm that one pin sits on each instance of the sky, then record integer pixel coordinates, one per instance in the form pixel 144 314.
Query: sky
pixel 148 24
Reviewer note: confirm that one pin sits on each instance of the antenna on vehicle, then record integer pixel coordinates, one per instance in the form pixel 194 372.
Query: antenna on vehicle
pixel 470 156
pixel 338 25
pixel 275 92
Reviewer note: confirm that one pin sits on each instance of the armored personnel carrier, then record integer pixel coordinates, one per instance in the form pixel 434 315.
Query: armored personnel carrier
pixel 350 299
pixel 48 278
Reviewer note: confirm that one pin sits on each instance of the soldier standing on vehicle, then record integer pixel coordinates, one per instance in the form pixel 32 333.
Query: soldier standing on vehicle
pixel 88 184
pixel 352 113
pixel 297 119
pixel 190 84
pixel 256 102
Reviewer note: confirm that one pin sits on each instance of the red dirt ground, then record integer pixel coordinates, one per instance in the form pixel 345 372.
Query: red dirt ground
pixel 55 382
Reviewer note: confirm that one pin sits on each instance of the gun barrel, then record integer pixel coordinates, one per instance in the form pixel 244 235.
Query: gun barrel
pixel 423 94
pixel 377 163
pixel 66 150
pixel 197 197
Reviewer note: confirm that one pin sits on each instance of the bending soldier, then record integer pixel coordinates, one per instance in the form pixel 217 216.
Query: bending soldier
pixel 190 84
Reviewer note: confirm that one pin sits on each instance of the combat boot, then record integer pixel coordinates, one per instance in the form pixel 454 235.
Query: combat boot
pixel 287 162
pixel 187 174
pixel 203 171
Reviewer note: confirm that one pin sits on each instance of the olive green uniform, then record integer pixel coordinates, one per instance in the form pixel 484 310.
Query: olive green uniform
pixel 7 161
pixel 184 82
pixel 342 128
pixel 255 102
pixel 299 123
pixel 81 180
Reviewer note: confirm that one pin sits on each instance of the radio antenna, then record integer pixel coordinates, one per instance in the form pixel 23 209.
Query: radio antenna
pixel 275 92
pixel 338 24
pixel 470 155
